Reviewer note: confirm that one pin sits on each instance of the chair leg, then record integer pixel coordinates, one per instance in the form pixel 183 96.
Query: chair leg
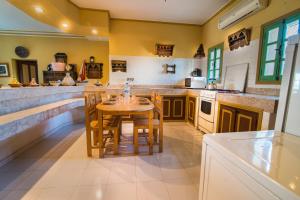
pixel 116 141
pixel 100 143
pixel 155 135
pixel 161 137
pixel 95 136
pixel 89 142
pixel 136 140
pixel 120 132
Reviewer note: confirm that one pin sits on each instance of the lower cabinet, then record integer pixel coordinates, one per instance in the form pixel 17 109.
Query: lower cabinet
pixel 174 107
pixel 223 178
pixel 191 109
pixel 232 119
pixel 57 75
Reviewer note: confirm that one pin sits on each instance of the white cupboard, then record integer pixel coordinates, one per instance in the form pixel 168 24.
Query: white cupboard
pixel 249 166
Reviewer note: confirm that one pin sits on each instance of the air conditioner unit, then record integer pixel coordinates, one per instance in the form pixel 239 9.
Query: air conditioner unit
pixel 240 11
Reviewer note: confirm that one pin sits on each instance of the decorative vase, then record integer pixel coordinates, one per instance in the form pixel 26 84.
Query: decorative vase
pixel 68 80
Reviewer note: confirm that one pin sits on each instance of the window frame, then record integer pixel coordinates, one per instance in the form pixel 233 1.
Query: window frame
pixel 262 48
pixel 218 46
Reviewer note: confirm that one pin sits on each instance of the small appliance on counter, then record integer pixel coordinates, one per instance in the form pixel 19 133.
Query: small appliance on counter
pixel 195 82
pixel 196 73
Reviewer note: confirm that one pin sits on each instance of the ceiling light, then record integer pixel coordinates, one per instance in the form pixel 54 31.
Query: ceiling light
pixel 38 9
pixel 65 25
pixel 94 31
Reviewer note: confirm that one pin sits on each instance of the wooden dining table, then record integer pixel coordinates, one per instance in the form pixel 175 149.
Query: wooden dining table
pixel 128 107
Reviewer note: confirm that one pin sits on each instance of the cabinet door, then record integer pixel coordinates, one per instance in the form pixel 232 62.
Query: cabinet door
pixel 191 109
pixel 167 108
pixel 178 108
pixel 227 119
pixel 246 120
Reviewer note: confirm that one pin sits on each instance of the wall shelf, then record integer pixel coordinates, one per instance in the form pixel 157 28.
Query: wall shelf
pixel 164 50
pixel 239 39
pixel 119 65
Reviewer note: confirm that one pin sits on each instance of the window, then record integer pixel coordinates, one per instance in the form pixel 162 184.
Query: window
pixel 274 43
pixel 214 65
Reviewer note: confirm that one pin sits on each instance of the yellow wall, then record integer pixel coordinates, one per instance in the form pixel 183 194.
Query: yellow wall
pixel 212 36
pixel 43 49
pixel 138 38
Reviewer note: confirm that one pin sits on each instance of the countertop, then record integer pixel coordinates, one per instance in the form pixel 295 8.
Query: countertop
pixel 263 102
pixel 272 158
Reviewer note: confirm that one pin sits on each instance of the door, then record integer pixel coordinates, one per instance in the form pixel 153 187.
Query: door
pixel 191 109
pixel 178 105
pixel 246 121
pixel 227 119
pixel 167 107
pixel 174 107
pixel 26 70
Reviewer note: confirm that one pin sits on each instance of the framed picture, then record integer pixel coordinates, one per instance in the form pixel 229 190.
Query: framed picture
pixel 4 70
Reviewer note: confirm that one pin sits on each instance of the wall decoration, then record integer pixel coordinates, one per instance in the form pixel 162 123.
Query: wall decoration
pixel 92 59
pixel 239 39
pixel 4 70
pixel 119 65
pixel 22 52
pixel 164 49
pixel 200 52
pixel 94 70
pixel 170 68
pixel 61 58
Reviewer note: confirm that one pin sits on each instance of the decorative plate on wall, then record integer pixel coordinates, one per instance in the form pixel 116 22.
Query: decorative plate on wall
pixel 22 52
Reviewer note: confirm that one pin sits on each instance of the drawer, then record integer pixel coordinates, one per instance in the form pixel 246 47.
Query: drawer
pixel 205 124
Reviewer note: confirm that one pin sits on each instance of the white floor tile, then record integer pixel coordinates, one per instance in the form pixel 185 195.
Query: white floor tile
pixel 58 168
pixel 121 191
pixel 89 193
pixel 153 190
pixel 181 188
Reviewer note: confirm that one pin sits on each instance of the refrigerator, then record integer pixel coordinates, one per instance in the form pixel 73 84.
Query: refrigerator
pixel 288 114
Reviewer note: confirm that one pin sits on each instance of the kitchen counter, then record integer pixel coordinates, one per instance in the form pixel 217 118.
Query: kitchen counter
pixel 263 102
pixel 16 99
pixel 139 90
pixel 271 158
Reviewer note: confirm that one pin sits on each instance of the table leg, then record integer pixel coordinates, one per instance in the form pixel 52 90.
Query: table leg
pixel 100 134
pixel 150 119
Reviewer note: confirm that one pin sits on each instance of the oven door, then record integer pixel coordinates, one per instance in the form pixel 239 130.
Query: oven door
pixel 207 109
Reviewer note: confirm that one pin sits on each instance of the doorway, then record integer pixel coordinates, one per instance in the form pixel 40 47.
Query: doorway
pixel 26 70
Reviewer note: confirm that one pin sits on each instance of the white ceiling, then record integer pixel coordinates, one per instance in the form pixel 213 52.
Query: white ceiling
pixel 14 19
pixel 178 11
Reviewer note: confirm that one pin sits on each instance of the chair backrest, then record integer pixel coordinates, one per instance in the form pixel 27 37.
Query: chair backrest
pixel 153 96
pixel 90 108
pixel 158 107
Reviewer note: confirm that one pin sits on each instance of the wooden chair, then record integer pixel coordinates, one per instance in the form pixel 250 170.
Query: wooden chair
pixel 110 124
pixel 136 117
pixel 157 124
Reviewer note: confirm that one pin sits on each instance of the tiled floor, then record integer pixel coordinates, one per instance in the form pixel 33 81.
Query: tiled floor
pixel 58 168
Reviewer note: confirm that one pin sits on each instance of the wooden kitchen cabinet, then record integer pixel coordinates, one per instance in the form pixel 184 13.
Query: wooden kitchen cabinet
pixel 57 75
pixel 233 119
pixel 174 107
pixel 191 109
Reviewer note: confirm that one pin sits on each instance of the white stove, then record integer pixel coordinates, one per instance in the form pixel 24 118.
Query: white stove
pixel 207 109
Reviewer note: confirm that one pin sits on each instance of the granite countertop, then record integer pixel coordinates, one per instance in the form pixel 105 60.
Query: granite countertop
pixel 263 102
pixel 266 103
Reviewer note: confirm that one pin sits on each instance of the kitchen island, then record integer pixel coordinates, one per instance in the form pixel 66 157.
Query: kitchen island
pixel 266 167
